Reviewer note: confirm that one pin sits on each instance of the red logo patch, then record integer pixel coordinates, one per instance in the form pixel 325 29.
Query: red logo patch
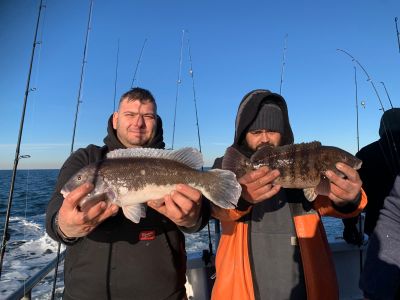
pixel 147 235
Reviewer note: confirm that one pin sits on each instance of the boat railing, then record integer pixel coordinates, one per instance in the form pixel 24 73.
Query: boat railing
pixel 25 291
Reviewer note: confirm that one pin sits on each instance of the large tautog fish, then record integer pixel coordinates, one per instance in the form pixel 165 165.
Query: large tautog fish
pixel 130 177
pixel 300 165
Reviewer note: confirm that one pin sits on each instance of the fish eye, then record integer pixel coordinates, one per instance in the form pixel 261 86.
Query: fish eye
pixel 79 177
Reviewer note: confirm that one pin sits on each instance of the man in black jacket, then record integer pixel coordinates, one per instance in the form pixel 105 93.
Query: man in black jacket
pixel 108 256
pixel 381 164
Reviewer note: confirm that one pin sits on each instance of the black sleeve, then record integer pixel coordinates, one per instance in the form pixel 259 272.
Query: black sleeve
pixel 74 163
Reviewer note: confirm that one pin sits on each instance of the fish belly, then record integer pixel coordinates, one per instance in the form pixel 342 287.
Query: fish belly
pixel 148 192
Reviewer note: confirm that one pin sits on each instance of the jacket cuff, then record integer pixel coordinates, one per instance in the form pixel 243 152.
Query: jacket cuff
pixel 61 235
pixel 243 205
pixel 348 207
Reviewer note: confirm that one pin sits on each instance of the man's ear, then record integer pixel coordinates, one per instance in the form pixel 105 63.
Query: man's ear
pixel 115 120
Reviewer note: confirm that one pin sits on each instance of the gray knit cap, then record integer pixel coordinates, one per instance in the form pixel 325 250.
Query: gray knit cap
pixel 269 117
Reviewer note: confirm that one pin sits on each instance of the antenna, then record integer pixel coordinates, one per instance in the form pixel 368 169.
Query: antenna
pixel 283 63
pixel 178 82
pixel 17 150
pixel 138 63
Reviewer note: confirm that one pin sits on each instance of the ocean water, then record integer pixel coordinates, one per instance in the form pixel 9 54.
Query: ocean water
pixel 29 248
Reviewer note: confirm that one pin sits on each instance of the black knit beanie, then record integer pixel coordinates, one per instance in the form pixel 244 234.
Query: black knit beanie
pixel 270 118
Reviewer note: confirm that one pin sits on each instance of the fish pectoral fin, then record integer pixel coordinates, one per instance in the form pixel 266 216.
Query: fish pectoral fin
pixel 134 212
pixel 324 186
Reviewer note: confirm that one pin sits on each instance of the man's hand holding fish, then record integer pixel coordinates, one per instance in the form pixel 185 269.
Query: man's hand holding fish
pixel 258 186
pixel 76 221
pixel 344 189
pixel 182 206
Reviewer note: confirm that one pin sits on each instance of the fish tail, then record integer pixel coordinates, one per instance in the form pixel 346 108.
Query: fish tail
pixel 226 191
pixel 236 162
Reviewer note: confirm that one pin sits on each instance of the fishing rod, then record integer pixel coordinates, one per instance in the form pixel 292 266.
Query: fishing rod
pixel 380 102
pixel 356 89
pixel 207 259
pixel 194 94
pixel 79 98
pixel 397 33
pixel 138 62
pixel 74 130
pixel 387 94
pixel 366 73
pixel 116 76
pixel 359 221
pixel 178 82
pixel 394 155
pixel 17 150
pixel 283 63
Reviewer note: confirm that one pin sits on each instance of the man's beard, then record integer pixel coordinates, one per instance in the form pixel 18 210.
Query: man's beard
pixel 268 144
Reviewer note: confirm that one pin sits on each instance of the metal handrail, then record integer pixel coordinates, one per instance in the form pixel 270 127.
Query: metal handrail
pixel 24 292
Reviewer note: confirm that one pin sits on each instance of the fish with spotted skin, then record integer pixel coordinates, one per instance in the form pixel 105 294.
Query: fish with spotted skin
pixel 131 177
pixel 301 166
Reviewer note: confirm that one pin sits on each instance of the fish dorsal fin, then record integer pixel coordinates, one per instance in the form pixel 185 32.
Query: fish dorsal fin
pixel 188 155
pixel 271 151
pixel 262 153
pixel 311 145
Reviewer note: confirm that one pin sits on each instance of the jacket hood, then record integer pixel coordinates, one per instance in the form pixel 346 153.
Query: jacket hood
pixel 112 141
pixel 248 109
pixel 390 122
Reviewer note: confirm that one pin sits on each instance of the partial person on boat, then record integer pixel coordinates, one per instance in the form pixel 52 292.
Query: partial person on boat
pixel 380 279
pixel 381 164
pixel 107 255
pixel 273 245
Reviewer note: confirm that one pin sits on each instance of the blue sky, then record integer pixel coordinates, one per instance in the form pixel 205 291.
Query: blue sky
pixel 236 46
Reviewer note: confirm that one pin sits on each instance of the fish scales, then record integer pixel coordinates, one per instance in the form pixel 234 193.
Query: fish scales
pixel 140 172
pixel 131 177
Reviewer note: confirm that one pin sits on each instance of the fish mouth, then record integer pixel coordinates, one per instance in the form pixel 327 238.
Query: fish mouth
pixel 65 192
